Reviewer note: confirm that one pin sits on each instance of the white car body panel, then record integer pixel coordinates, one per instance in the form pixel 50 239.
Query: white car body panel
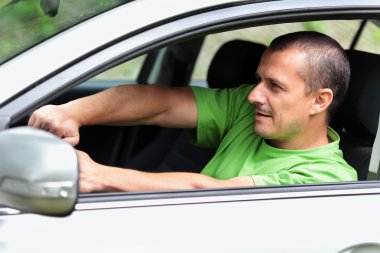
pixel 276 225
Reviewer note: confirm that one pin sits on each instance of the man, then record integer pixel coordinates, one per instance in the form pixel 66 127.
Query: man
pixel 279 135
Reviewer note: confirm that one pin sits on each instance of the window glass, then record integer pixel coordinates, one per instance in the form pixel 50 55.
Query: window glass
pixel 342 31
pixel 126 72
pixel 369 40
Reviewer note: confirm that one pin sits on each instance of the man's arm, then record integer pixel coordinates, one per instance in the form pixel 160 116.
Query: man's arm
pixel 121 105
pixel 95 177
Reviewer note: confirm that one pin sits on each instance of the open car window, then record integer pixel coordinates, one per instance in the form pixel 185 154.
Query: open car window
pixel 153 149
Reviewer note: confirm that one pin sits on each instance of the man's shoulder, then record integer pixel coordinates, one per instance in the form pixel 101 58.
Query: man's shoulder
pixel 234 96
pixel 239 88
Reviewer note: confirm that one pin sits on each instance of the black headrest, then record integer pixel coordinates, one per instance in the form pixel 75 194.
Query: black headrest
pixel 359 114
pixel 234 64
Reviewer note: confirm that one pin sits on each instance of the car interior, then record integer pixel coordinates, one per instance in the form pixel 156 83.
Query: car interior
pixel 156 149
pixel 357 119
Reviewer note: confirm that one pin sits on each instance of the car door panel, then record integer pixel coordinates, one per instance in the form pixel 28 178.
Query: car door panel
pixel 216 225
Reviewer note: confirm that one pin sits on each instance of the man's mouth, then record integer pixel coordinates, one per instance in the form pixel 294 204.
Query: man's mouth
pixel 263 113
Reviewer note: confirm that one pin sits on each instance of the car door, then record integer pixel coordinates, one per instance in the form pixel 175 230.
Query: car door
pixel 290 219
pixel 301 218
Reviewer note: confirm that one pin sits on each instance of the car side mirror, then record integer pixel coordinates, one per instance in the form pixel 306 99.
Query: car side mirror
pixel 50 7
pixel 38 172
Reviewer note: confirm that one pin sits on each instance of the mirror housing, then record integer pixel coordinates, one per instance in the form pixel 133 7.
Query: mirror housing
pixel 38 172
pixel 50 7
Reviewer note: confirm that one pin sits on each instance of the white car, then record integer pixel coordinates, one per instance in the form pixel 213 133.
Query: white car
pixel 56 51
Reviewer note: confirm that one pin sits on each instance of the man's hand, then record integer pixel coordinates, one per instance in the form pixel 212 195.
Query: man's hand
pixel 56 120
pixel 91 174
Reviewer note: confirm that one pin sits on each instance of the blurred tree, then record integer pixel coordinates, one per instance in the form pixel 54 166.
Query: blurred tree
pixel 23 23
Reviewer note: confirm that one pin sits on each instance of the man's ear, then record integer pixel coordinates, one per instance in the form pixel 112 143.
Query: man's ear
pixel 322 99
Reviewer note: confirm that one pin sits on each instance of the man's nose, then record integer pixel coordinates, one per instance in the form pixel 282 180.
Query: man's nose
pixel 256 95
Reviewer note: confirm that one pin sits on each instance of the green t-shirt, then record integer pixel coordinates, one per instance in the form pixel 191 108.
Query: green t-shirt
pixel 226 122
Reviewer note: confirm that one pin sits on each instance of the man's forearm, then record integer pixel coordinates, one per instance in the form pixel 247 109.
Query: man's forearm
pixel 122 105
pixel 136 104
pixel 129 180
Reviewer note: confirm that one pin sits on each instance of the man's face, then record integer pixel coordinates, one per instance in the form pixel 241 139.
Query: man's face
pixel 282 109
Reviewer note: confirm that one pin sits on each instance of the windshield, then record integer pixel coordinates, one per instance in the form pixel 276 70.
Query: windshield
pixel 25 23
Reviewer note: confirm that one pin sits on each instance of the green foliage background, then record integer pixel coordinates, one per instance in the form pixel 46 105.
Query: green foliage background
pixel 23 22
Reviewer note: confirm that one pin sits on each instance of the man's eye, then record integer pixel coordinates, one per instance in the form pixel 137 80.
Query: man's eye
pixel 258 80
pixel 274 85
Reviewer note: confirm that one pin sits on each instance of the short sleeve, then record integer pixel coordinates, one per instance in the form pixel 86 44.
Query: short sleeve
pixel 217 110
pixel 212 105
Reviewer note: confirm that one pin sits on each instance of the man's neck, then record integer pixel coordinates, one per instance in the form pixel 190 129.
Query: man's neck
pixel 307 140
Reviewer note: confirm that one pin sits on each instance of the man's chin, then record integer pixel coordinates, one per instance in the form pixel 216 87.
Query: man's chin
pixel 262 133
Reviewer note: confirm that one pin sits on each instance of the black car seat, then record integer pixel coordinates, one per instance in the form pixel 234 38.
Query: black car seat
pixel 356 121
pixel 235 63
